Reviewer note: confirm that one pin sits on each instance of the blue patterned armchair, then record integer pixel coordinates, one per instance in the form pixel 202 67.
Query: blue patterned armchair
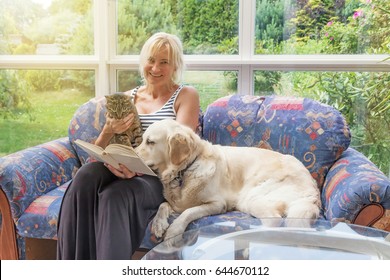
pixel 33 181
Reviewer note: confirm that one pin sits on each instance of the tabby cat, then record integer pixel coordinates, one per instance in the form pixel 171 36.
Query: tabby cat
pixel 118 106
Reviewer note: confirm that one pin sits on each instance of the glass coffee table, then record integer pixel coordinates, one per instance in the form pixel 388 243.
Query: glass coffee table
pixel 252 240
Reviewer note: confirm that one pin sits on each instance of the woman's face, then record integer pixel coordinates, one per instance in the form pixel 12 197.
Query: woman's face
pixel 158 69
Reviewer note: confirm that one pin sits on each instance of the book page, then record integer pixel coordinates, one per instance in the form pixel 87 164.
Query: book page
pixel 91 149
pixel 133 163
pixel 121 149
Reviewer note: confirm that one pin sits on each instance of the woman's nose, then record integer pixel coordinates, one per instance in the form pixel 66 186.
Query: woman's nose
pixel 155 67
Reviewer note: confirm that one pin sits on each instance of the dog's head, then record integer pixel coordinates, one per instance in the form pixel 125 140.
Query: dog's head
pixel 168 144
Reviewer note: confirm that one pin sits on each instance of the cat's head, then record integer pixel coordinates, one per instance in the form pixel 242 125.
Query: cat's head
pixel 119 105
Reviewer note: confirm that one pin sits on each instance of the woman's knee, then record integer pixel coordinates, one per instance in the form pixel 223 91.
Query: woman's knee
pixel 90 177
pixel 136 190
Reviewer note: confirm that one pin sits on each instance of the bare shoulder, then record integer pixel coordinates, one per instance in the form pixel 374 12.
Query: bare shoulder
pixel 189 93
pixel 187 107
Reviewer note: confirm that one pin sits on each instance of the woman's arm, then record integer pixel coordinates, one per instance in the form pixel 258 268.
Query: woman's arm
pixel 187 107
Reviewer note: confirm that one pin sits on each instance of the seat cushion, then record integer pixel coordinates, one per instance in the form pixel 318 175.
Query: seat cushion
pixel 313 132
pixel 41 217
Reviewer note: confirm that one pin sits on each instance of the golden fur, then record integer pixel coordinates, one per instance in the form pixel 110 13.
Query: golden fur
pixel 202 179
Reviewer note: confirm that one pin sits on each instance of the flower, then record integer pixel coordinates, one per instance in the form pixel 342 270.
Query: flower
pixel 329 23
pixel 357 13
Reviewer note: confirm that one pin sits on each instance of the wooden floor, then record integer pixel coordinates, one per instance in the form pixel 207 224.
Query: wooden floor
pixel 45 249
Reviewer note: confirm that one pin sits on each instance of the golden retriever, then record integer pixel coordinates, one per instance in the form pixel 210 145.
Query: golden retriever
pixel 202 179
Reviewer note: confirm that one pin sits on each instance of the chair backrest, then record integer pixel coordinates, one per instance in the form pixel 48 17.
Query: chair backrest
pixel 313 132
pixel 86 124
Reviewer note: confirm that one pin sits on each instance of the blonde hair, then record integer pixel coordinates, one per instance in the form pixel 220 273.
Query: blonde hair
pixel 175 53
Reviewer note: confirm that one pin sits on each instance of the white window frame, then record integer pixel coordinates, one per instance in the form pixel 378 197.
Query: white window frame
pixel 105 62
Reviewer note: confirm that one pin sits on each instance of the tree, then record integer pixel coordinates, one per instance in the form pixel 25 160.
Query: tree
pixel 138 20
pixel 208 26
pixel 270 20
pixel 311 17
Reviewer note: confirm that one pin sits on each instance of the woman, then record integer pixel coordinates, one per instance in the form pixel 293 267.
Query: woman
pixel 105 211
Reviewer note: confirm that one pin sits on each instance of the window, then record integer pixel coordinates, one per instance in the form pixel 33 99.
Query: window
pixel 38 105
pixel 205 27
pixel 46 27
pixel 327 50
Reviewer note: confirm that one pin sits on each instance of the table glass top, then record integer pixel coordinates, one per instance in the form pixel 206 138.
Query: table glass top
pixel 281 239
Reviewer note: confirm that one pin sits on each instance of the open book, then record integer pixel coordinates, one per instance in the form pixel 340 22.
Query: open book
pixel 114 154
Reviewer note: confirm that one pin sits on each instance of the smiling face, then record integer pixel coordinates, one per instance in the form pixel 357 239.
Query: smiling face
pixel 161 59
pixel 159 69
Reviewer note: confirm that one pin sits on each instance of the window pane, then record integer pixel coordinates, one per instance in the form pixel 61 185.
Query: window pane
pixel 46 27
pixel 360 96
pixel 211 85
pixel 204 26
pixel 322 27
pixel 127 80
pixel 36 106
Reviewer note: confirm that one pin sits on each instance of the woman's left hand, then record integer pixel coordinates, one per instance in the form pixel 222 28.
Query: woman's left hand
pixel 122 172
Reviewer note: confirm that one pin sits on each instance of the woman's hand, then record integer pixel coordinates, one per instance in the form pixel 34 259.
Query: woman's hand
pixel 111 127
pixel 119 126
pixel 122 172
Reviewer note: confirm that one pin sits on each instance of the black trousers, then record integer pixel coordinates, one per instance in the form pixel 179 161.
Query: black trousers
pixel 103 217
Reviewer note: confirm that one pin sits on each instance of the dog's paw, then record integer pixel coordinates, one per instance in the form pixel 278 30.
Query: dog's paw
pixel 177 243
pixel 159 227
pixel 173 231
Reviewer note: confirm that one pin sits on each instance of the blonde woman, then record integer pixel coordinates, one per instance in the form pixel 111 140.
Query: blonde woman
pixel 105 211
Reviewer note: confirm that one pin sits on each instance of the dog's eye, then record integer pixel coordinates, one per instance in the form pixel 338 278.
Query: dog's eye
pixel 149 142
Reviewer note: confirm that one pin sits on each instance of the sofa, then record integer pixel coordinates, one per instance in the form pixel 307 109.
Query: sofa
pixel 353 190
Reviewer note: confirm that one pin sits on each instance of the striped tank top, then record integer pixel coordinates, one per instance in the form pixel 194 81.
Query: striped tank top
pixel 165 112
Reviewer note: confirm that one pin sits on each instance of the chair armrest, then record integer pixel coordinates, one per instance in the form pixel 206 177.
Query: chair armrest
pixel 32 172
pixel 351 184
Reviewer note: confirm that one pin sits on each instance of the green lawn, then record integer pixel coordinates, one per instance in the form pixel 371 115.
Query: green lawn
pixel 211 85
pixel 51 112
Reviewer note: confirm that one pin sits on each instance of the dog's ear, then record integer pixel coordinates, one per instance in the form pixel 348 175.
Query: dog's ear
pixel 179 147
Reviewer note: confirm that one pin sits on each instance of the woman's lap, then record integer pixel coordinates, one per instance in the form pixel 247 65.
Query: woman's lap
pixel 105 217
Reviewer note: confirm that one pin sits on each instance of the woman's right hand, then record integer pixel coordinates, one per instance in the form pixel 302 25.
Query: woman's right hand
pixel 118 126
pixel 111 127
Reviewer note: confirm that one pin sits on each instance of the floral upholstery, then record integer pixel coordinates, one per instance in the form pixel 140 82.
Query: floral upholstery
pixel 35 179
